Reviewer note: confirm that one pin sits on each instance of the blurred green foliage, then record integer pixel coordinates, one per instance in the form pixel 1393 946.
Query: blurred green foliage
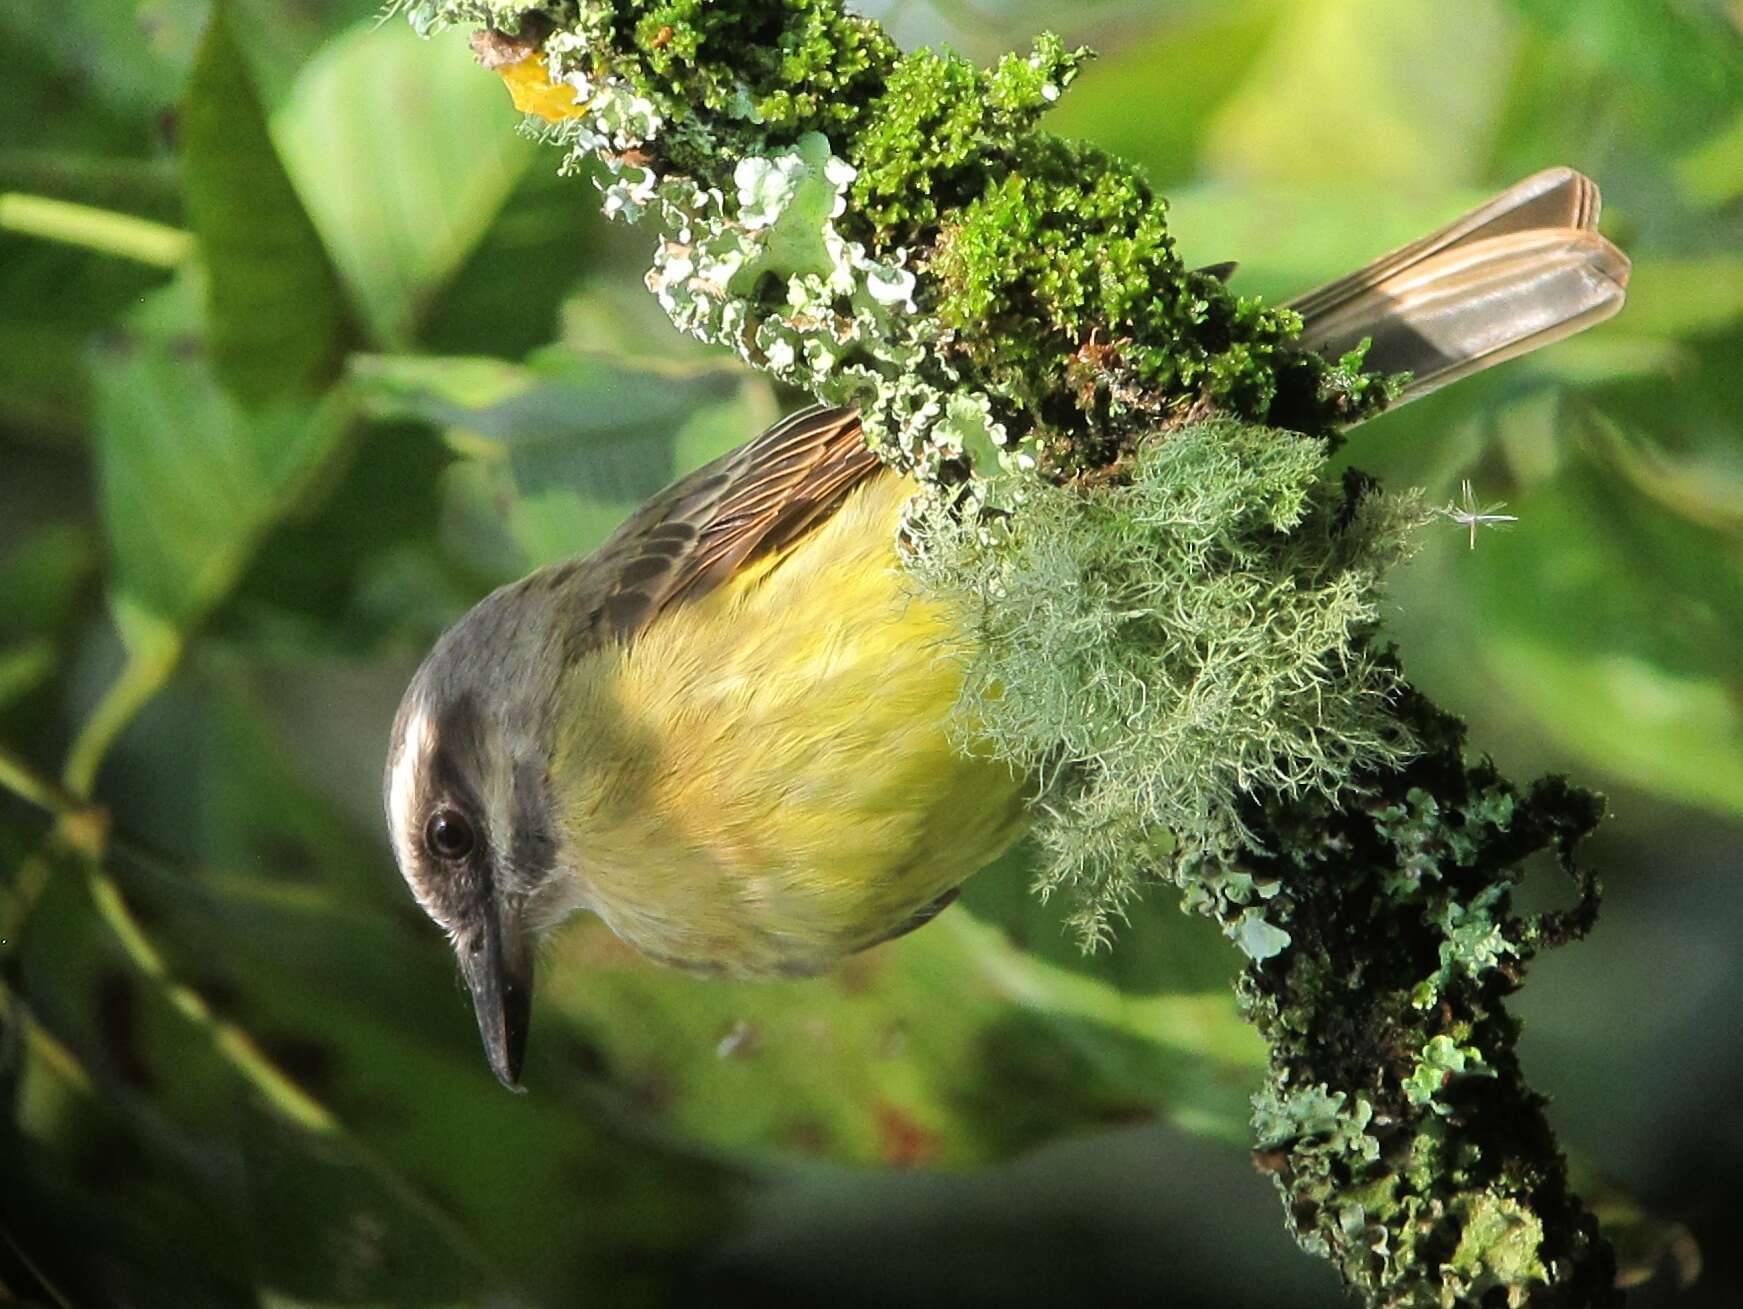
pixel 246 479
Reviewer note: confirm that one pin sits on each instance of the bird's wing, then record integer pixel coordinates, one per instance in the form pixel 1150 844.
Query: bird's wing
pixel 1521 271
pixel 699 531
pixel 1556 197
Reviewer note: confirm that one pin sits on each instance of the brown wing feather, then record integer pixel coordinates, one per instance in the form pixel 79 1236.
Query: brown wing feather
pixel 694 535
pixel 1555 197
pixel 1522 271
pixel 1477 305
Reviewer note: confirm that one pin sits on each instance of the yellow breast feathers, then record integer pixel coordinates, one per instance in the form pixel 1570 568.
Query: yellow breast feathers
pixel 764 780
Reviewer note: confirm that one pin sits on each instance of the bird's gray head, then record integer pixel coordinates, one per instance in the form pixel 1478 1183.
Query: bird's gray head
pixel 467 809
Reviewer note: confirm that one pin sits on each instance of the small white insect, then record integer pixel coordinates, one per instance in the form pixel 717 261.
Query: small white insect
pixel 1466 513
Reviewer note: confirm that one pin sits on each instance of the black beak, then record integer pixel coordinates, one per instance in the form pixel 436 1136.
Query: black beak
pixel 499 973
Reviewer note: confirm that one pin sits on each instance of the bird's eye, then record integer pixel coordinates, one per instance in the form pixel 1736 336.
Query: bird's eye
pixel 449 836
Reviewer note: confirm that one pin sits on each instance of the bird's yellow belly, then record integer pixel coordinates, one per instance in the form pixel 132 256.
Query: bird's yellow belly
pixel 765 780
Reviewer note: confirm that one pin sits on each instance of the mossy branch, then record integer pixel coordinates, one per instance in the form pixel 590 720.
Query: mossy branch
pixel 1124 485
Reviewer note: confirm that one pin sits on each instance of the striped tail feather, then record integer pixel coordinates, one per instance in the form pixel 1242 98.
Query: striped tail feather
pixel 1524 270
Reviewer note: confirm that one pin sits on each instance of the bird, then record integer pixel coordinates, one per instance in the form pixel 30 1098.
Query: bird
pixel 727 732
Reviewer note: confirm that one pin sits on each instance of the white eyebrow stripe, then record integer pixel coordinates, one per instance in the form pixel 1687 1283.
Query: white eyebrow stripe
pixel 414 752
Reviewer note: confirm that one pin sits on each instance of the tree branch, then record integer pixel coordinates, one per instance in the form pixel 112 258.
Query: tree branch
pixel 1123 481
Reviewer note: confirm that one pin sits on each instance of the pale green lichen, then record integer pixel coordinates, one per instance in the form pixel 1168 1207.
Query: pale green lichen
pixel 1315 1117
pixel 766 270
pixel 1259 940
pixel 428 16
pixel 1474 941
pixel 1160 648
pixel 1442 1062
pixel 1500 1246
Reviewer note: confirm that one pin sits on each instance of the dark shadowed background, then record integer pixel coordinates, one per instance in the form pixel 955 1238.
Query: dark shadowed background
pixel 236 1065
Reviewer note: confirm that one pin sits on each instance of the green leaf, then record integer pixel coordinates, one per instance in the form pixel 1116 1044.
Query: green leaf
pixel 1692 52
pixel 1685 297
pixel 124 58
pixel 1289 238
pixel 564 447
pixel 142 188
pixel 190 479
pixel 1387 124
pixel 445 391
pixel 404 154
pixel 1203 59
pixel 1161 950
pixel 100 230
pixel 129 1125
pixel 364 570
pixel 1677 736
pixel 1611 618
pixel 1712 173
pixel 42 582
pixel 275 311
pixel 505 299
pixel 24 666
pixel 281 39
pixel 40 578
pixel 951 1046
pixel 53 298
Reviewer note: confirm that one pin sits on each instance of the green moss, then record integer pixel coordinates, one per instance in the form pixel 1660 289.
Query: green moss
pixel 733 80
pixel 1069 262
pixel 1047 293
pixel 944 129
